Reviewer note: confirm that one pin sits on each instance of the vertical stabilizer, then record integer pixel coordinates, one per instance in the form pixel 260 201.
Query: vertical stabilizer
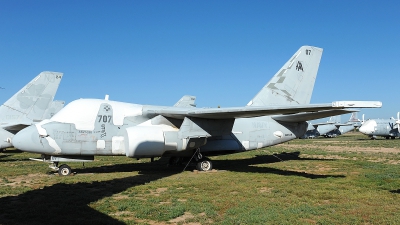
pixel 31 102
pixel 53 108
pixel 354 118
pixel 335 119
pixel 186 101
pixel 294 82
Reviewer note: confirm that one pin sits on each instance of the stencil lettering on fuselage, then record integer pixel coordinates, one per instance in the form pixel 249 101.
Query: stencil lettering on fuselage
pixel 104 128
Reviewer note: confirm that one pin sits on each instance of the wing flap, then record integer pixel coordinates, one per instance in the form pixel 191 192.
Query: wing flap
pixel 312 116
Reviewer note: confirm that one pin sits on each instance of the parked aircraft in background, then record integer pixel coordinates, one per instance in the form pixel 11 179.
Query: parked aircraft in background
pixel 333 127
pixel 311 132
pixel 355 121
pixel 53 108
pixel 278 113
pixel 388 128
pixel 33 103
pixel 341 129
pixel 319 129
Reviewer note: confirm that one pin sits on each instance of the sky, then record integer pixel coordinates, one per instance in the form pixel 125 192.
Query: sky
pixel 222 52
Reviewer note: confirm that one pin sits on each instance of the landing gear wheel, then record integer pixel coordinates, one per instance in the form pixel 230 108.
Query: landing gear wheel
pixel 64 170
pixel 204 165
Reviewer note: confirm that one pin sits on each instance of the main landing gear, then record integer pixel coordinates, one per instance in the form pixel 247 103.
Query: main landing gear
pixel 202 163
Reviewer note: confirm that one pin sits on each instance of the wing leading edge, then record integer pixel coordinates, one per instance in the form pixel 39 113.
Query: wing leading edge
pixel 292 113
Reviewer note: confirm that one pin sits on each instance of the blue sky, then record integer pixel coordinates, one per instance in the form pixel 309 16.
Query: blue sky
pixel 223 52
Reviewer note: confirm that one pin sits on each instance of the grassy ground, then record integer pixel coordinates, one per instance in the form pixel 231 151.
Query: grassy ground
pixel 344 180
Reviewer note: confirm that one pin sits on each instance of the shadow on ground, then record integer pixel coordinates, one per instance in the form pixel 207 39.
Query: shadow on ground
pixel 239 165
pixel 249 165
pixel 68 203
pixel 395 191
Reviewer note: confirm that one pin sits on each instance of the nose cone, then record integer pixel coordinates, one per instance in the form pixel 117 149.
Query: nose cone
pixel 28 140
pixel 368 127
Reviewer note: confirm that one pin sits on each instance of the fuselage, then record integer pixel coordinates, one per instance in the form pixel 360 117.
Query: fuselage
pixel 380 127
pixel 103 127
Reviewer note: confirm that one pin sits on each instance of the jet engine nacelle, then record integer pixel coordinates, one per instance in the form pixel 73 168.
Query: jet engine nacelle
pixel 144 141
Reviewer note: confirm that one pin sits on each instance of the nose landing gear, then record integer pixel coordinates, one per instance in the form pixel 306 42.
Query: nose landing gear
pixel 64 169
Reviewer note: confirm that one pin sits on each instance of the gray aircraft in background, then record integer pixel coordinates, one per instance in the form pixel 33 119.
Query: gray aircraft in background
pixel 53 108
pixel 319 129
pixel 333 127
pixel 278 113
pixel 342 128
pixel 33 103
pixel 388 128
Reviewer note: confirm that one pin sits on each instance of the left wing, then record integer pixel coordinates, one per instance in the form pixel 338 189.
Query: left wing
pixel 296 112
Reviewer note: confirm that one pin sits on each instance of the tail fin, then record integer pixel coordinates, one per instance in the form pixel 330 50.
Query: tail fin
pixel 354 118
pixel 294 82
pixel 31 102
pixel 53 108
pixel 335 119
pixel 186 101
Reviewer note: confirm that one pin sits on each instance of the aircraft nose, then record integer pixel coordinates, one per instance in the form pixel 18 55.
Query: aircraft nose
pixel 29 140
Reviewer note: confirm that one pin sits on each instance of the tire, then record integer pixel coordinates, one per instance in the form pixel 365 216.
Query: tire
pixel 204 165
pixel 64 170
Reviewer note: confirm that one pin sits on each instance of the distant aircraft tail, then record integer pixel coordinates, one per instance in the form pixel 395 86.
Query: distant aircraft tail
pixel 186 101
pixel 335 119
pixel 354 118
pixel 53 108
pixel 294 82
pixel 31 102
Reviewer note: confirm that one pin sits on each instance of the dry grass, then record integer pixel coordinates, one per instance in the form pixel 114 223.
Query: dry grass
pixel 346 180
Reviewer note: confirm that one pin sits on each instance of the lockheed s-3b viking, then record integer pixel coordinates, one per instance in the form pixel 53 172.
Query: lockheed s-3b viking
pixel 278 113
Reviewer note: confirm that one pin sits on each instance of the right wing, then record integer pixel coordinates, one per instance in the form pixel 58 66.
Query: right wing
pixel 291 113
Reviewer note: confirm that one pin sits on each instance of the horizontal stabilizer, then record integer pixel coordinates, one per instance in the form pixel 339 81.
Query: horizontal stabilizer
pixel 15 127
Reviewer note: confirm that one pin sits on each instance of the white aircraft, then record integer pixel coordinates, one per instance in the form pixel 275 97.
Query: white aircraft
pixel 388 128
pixel 33 103
pixel 278 113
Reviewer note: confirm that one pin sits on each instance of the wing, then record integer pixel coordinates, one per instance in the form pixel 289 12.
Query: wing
pixel 288 112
